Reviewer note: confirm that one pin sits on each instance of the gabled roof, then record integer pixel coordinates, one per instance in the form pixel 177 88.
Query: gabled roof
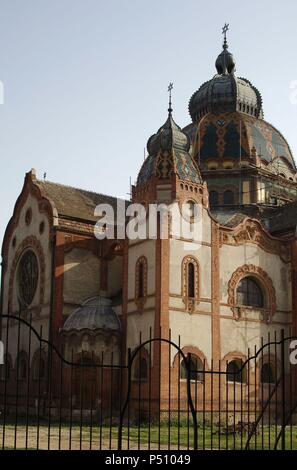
pixel 75 203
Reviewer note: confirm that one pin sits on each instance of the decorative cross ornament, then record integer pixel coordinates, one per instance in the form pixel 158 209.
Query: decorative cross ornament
pixel 224 32
pixel 170 87
pixel 225 29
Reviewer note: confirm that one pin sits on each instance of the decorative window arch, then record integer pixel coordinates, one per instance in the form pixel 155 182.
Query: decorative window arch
pixel 141 280
pixel 190 282
pixel 262 278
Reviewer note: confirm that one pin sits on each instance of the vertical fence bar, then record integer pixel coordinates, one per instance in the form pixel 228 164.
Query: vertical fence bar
pixel 111 402
pixel 150 390
pixel 211 405
pixel 220 398
pixel 81 376
pixel 269 389
pixel 283 372
pixel 93 386
pixel 17 384
pixel 262 389
pixel 28 380
pixel 169 390
pixel 102 398
pixel 6 379
pixel 178 394
pixel 60 400
pixel 248 387
pixel 49 393
pixel 71 401
pixel 203 409
pixel 139 376
pixel 227 407
pixel 255 392
pixel 276 391
pixel 39 389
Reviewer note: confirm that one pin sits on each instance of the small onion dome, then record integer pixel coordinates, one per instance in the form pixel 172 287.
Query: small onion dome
pixel 168 137
pixel 168 151
pixel 226 93
pixel 95 313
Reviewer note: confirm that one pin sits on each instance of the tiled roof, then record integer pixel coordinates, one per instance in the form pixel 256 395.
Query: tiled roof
pixel 74 202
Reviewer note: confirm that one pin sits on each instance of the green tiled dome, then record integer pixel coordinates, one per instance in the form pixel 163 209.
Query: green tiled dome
pixel 168 151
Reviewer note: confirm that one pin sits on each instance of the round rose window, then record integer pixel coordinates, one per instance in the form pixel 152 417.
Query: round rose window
pixel 27 277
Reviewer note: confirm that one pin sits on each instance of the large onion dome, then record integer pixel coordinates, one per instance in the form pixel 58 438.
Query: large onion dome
pixel 225 92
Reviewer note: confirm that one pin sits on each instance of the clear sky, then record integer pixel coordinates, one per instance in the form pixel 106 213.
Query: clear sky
pixel 85 81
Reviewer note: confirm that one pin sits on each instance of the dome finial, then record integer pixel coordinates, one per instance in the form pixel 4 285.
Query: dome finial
pixel 224 32
pixel 170 87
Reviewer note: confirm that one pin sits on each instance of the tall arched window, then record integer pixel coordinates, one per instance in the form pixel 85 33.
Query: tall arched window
pixel 191 280
pixel 213 198
pixel 141 279
pixel 22 368
pixel 228 197
pixel 249 293
pixel 38 368
pixel 267 374
pixel 196 368
pixel 140 369
pixel 234 371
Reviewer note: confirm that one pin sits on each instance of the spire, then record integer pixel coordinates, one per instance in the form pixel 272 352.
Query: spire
pixel 170 87
pixel 225 63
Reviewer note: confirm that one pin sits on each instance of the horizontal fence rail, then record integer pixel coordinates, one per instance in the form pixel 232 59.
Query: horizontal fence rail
pixel 158 396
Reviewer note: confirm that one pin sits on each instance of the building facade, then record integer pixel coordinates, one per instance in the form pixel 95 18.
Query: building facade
pixel 216 297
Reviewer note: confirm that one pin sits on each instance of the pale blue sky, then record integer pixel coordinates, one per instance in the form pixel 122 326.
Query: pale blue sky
pixel 86 80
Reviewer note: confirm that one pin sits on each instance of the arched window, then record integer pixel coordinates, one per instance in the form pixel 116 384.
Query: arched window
pixel 140 369
pixel 140 281
pixel 228 197
pixel 234 372
pixel 191 280
pixel 22 368
pixel 196 368
pixel 39 368
pixel 249 293
pixel 267 374
pixel 213 198
pixel 140 278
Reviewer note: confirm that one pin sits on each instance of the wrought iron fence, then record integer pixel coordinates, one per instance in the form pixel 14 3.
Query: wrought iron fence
pixel 157 397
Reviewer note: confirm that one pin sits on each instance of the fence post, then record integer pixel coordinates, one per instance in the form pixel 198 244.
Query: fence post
pixel 283 378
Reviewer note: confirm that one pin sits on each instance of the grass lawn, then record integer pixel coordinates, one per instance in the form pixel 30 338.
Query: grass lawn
pixel 164 437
